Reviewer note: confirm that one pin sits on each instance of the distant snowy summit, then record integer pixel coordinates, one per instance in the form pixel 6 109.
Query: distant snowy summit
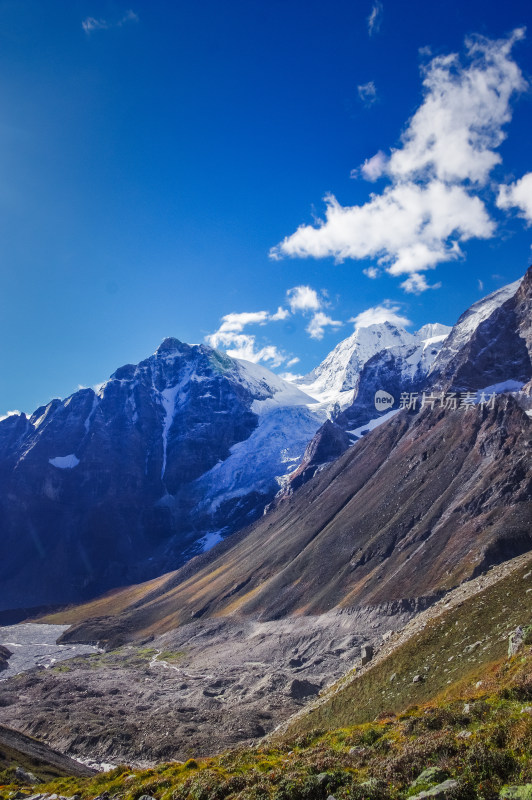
pixel 336 379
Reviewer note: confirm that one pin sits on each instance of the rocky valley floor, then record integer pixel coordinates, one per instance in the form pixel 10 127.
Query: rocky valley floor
pixel 225 682
pixel 198 690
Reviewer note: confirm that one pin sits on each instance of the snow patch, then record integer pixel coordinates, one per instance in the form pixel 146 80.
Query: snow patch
pixel 168 398
pixel 373 423
pixel 210 539
pixel 270 389
pixel 499 388
pixel 90 415
pixel 469 321
pixel 64 462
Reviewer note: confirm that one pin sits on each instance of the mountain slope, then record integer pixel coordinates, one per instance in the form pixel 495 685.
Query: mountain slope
pixel 423 502
pixel 496 349
pixel 469 321
pixel 18 750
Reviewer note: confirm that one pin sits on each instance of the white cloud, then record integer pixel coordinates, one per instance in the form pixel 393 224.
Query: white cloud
pixel 378 314
pixel 303 298
pixel 407 227
pixel 318 323
pixel 454 133
pixel 518 195
pixel 375 17
pixel 447 152
pixel 292 377
pixel 14 413
pixel 480 285
pixel 230 336
pixel 280 314
pixel 90 24
pixel 371 272
pixel 237 322
pixel 367 93
pixel 244 346
pixel 373 167
pixel 417 283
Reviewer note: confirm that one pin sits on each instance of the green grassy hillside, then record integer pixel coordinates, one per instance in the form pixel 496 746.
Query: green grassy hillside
pixel 453 647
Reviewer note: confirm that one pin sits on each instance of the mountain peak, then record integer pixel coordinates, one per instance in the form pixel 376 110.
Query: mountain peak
pixel 169 345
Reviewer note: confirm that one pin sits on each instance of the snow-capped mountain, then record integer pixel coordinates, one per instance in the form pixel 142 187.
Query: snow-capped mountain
pixel 125 482
pixel 489 348
pixel 335 381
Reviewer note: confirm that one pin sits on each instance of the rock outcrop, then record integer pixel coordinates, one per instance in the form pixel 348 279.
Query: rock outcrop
pixel 4 656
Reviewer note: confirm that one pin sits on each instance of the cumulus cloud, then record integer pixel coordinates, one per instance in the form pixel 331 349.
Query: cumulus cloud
pixel 240 345
pixel 408 228
pixel 448 149
pixel 232 337
pixel 90 24
pixel 371 272
pixel 318 323
pixel 417 283
pixel 280 314
pixel 237 344
pixel 373 167
pixel 387 312
pixel 375 17
pixel 237 322
pixel 454 133
pixel 367 93
pixel 303 298
pixel 518 195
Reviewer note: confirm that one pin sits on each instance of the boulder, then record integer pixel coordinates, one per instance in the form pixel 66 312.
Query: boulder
pixel 442 790
pixel 521 636
pixel 24 776
pixel 429 776
pixel 299 689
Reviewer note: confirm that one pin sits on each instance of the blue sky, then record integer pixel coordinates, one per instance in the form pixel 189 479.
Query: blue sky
pixel 164 165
